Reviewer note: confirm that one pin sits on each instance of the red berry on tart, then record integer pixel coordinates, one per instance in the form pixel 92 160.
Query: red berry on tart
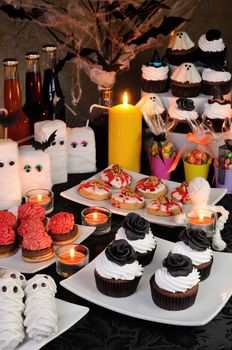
pixel 95 189
pixel 180 194
pixel 62 228
pixel 116 177
pixel 151 187
pixel 163 206
pixel 127 199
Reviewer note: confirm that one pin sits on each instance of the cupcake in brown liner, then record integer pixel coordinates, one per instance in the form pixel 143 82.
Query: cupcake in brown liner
pixel 181 49
pixel 174 286
pixel 155 75
pixel 8 241
pixel 62 228
pixel 137 232
pixel 196 246
pixel 186 81
pixel 117 271
pixel 216 76
pixel 211 48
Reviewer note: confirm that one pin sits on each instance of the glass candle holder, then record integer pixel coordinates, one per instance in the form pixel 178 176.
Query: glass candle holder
pixel 71 258
pixel 99 217
pixel 43 197
pixel 203 219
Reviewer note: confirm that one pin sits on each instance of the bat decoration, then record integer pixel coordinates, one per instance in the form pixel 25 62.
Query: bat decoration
pixel 44 144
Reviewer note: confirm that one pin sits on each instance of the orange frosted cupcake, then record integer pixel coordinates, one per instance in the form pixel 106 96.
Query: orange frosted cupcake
pixel 8 218
pixel 30 227
pixel 8 242
pixel 31 211
pixel 62 228
pixel 37 247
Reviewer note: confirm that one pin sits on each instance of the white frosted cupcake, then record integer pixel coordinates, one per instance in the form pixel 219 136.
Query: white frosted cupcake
pixel 211 48
pixel 183 114
pixel 217 76
pixel 186 81
pixel 117 271
pixel 137 232
pixel 181 49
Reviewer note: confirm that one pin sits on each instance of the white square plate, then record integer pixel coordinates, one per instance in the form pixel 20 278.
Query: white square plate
pixel 215 195
pixel 15 261
pixel 212 295
pixel 68 315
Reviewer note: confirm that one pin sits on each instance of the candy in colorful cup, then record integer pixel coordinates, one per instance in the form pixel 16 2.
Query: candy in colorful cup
pixel 193 170
pixel 159 168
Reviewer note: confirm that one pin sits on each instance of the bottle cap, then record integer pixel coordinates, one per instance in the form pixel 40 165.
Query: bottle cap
pixel 32 55
pixel 10 61
pixel 49 48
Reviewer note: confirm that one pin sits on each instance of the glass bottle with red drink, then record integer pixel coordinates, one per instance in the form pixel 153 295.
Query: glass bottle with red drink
pixel 17 122
pixel 34 106
pixel 52 93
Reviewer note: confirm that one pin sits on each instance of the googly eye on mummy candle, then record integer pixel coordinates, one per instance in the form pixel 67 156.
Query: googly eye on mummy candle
pixel 34 168
pixel 53 133
pixel 81 150
pixel 10 189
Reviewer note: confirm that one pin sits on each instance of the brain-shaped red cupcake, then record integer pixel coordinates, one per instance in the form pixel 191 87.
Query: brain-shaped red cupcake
pixel 37 241
pixel 62 222
pixel 30 226
pixel 7 235
pixel 8 218
pixel 31 211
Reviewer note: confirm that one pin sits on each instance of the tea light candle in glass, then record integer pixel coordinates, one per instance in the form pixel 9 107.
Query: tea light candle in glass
pixel 71 258
pixel 99 217
pixel 204 219
pixel 42 197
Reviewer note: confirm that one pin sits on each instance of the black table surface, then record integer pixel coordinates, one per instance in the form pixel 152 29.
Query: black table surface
pixel 103 329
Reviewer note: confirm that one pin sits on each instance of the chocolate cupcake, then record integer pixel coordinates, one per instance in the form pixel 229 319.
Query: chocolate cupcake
pixel 216 76
pixel 196 246
pixel 155 75
pixel 62 228
pixel 186 81
pixel 117 272
pixel 211 48
pixel 137 232
pixel 181 49
pixel 175 285
pixel 183 114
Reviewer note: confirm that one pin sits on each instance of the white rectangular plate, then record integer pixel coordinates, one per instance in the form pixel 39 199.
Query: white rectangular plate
pixel 215 195
pixel 212 295
pixel 68 315
pixel 15 261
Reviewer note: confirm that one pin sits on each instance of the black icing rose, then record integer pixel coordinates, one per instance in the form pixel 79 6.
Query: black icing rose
pixel 213 34
pixel 185 104
pixel 178 265
pixel 121 252
pixel 135 226
pixel 195 239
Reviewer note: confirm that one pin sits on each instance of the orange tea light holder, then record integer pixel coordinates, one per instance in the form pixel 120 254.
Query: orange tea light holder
pixel 99 217
pixel 204 219
pixel 71 258
pixel 43 197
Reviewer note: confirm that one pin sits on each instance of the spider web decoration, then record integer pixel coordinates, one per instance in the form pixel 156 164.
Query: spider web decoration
pixel 102 37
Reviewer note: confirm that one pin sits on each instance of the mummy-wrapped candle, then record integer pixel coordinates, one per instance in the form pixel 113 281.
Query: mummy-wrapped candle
pixel 34 169
pixel 81 150
pixel 52 134
pixel 10 189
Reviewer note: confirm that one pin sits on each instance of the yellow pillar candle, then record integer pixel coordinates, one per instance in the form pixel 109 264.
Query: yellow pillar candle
pixel 125 136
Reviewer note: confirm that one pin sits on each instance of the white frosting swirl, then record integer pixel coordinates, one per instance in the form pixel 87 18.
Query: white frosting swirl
pixel 155 73
pixel 144 245
pixel 212 46
pixel 176 284
pixel 197 257
pixel 176 113
pixel 11 310
pixel 212 75
pixel 186 72
pixel 181 41
pixel 118 196
pixel 40 307
pixel 109 269
pixel 217 111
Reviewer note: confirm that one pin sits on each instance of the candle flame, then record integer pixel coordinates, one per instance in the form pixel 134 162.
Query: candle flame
pixel 125 100
pixel 95 215
pixel 39 197
pixel 172 33
pixel 72 253
pixel 201 216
